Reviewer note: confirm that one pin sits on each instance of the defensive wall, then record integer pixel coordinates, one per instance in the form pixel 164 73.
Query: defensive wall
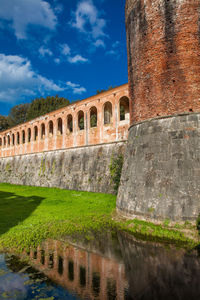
pixel 160 177
pixel 71 147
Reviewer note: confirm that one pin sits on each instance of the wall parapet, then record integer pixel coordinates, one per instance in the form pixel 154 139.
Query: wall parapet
pixel 100 119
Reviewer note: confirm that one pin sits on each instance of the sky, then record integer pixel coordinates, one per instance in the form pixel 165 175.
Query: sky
pixel 70 48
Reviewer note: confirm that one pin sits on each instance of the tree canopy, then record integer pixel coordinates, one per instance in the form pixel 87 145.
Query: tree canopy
pixel 3 123
pixel 25 112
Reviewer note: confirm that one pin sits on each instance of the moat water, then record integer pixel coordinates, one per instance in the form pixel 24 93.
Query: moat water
pixel 112 267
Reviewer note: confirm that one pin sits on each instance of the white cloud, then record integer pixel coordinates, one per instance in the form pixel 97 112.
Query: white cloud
pixel 86 19
pixel 22 13
pixel 18 80
pixel 76 88
pixel 77 59
pixel 116 44
pixel 57 61
pixel 111 52
pixel 65 49
pixel 99 43
pixel 45 51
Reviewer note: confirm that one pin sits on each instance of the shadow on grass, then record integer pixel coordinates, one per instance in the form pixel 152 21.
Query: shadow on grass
pixel 15 209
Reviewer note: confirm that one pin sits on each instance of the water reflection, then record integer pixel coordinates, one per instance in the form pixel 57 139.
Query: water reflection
pixel 88 274
pixel 121 268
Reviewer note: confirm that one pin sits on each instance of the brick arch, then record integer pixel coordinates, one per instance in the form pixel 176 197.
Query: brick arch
pixel 35 133
pixel 93 117
pixel 8 140
pixel 42 131
pixel 23 136
pixel 81 120
pixel 29 133
pixel 107 113
pixel 60 126
pixel 18 138
pixel 50 128
pixel 124 108
pixel 13 139
pixel 70 126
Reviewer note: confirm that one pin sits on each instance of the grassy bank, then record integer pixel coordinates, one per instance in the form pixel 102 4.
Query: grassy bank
pixel 30 214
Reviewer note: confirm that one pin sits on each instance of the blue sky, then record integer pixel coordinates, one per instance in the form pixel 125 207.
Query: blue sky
pixel 67 47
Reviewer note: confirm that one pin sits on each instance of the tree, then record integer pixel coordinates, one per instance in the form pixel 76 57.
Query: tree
pixel 41 106
pixel 18 114
pixel 3 123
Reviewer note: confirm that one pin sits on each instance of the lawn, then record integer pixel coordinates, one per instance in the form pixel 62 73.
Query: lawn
pixel 29 215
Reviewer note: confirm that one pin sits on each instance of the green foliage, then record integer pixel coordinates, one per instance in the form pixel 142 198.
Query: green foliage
pixel 18 114
pixel 81 123
pixel 4 124
pixel 41 106
pixel 198 223
pixel 122 113
pixel 102 90
pixel 166 222
pixel 93 120
pixel 115 166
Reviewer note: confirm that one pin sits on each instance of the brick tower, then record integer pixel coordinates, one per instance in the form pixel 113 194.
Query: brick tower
pixel 160 178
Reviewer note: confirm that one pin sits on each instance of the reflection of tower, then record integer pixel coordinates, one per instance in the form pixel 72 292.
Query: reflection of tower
pixel 162 164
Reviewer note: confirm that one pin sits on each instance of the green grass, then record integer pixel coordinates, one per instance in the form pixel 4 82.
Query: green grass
pixel 29 215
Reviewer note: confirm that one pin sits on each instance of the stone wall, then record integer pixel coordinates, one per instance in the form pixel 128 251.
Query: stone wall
pixel 160 176
pixel 84 168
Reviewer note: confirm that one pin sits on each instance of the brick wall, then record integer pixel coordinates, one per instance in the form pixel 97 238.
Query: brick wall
pixel 58 133
pixel 163 41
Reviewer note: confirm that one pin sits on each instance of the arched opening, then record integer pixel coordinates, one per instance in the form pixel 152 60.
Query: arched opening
pixel 35 133
pixel 23 137
pixel 42 131
pixel 60 126
pixel 18 138
pixel 4 141
pixel 13 139
pixel 93 117
pixel 124 109
pixel 50 128
pixel 8 140
pixel 29 135
pixel 0 142
pixel 107 113
pixel 81 120
pixel 69 123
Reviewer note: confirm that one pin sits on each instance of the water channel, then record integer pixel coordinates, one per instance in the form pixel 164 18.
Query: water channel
pixel 113 267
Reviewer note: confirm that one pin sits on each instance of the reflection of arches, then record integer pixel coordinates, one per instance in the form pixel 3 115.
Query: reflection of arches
pixel 124 108
pixel 23 137
pixel 42 131
pixel 60 126
pixel 50 128
pixel 18 138
pixel 107 113
pixel 8 140
pixel 93 117
pixel 13 139
pixel 35 133
pixel 29 135
pixel 81 120
pixel 71 270
pixel 69 123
